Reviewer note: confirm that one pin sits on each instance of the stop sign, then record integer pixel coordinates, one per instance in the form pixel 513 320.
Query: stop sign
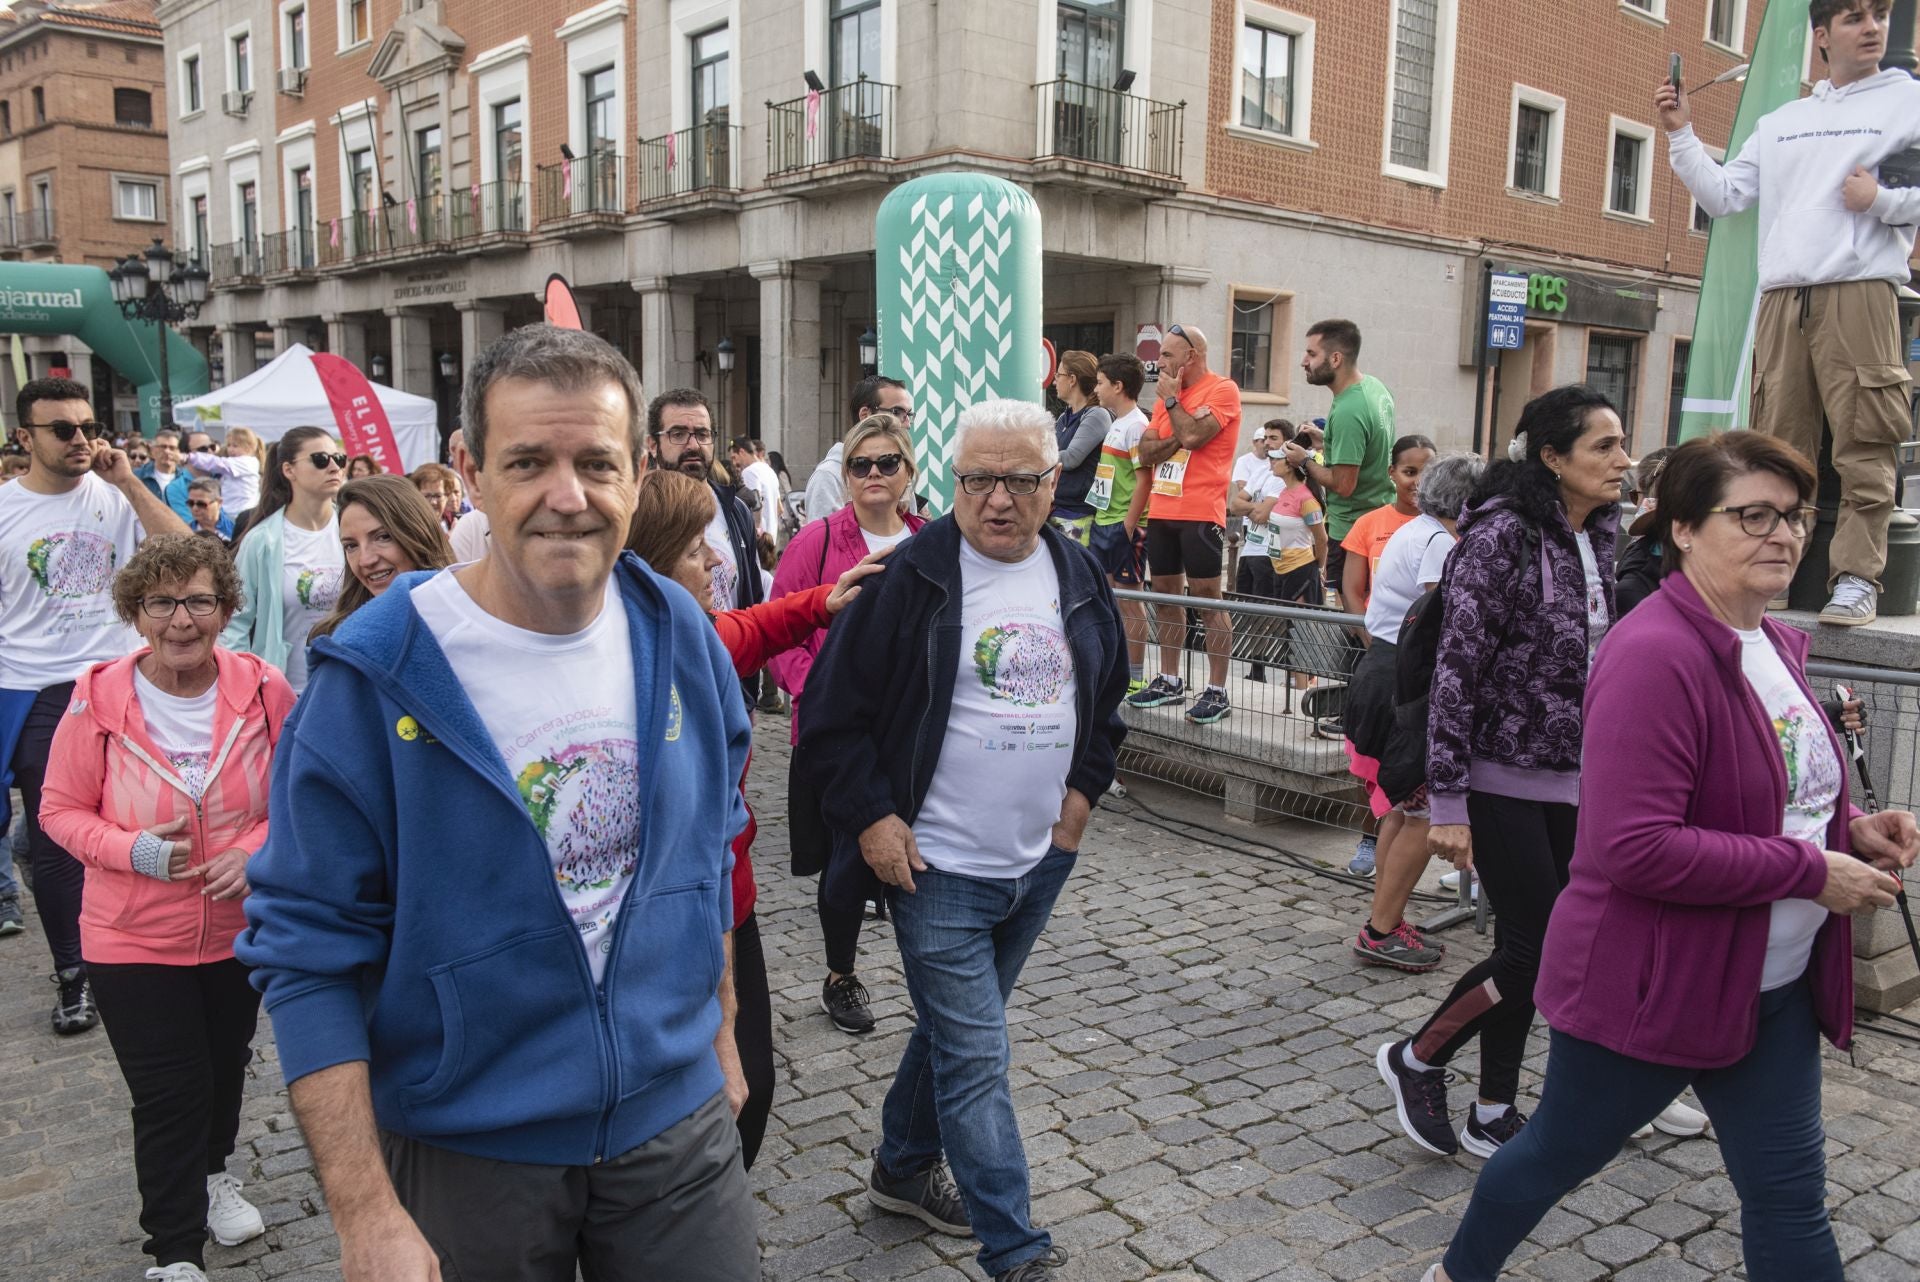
pixel 1146 346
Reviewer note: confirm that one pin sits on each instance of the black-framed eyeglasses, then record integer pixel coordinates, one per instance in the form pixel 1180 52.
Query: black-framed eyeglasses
pixel 902 412
pixel 681 435
pixel 64 431
pixel 320 459
pixel 888 464
pixel 1761 519
pixel 1019 484
pixel 162 607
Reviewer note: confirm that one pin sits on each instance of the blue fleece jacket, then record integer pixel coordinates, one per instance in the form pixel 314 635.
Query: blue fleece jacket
pixel 404 911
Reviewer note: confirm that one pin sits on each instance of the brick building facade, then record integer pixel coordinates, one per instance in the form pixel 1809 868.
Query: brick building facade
pixel 1244 165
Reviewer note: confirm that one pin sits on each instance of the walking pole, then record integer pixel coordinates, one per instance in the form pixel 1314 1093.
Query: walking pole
pixel 1859 753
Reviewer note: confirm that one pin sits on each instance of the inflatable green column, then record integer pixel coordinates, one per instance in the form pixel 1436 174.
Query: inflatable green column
pixel 958 287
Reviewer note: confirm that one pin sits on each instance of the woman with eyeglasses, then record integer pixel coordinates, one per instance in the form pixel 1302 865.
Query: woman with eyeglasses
pixel 291 565
pixel 157 783
pixel 877 470
pixel 1703 938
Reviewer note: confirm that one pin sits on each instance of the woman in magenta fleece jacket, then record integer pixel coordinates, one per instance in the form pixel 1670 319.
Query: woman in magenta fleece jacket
pixel 1703 937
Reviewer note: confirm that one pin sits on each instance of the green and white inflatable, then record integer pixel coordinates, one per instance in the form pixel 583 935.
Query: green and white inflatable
pixel 958 287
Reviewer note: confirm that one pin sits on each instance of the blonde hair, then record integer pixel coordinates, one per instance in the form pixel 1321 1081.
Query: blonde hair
pixel 249 443
pixel 881 423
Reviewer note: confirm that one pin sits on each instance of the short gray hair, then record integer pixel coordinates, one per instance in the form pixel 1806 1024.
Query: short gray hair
pixel 568 360
pixel 1446 482
pixel 1017 417
pixel 204 485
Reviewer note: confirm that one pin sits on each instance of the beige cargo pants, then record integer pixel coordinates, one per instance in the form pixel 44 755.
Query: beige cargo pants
pixel 1835 349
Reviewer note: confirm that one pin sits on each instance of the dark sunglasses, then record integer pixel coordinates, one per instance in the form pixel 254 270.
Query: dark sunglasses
pixel 199 502
pixel 889 464
pixel 320 459
pixel 65 431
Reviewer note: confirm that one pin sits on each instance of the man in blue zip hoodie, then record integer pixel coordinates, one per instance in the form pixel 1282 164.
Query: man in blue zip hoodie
pixel 490 919
pixel 962 718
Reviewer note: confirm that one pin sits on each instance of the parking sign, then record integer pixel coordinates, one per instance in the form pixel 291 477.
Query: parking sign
pixel 1506 312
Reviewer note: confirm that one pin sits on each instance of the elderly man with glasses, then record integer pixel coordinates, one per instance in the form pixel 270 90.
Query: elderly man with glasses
pixel 963 716
pixel 203 503
pixel 77 513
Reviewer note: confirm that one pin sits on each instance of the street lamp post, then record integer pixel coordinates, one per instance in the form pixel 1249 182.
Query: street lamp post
pixel 151 290
pixel 1900 38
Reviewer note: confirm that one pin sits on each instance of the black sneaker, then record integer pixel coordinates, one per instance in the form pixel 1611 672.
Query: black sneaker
pixel 11 922
pixel 1420 1098
pixel 845 1000
pixel 1159 692
pixel 73 1011
pixel 930 1197
pixel 1210 707
pixel 1483 1139
pixel 1039 1269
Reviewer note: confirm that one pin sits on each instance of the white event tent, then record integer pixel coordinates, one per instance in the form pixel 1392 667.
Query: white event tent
pixel 286 393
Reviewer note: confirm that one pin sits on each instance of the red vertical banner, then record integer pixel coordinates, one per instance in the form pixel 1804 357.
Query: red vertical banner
pixel 357 411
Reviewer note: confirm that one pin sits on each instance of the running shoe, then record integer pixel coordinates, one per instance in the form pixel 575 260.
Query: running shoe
pixel 1158 692
pixel 1450 882
pixel 11 922
pixel 184 1271
pixel 1676 1119
pixel 1135 686
pixel 1419 1098
pixel 1854 602
pixel 231 1218
pixel 1039 1269
pixel 1210 707
pixel 73 1010
pixel 930 1197
pixel 1361 865
pixel 1483 1139
pixel 1402 949
pixel 845 1001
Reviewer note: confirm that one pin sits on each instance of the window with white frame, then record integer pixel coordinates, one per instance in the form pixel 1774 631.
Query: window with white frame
pixel 1538 127
pixel 1275 73
pixel 354 22
pixel 192 91
pixel 137 199
pixel 200 226
pixel 240 61
pixel 1262 319
pixel 1420 90
pixel 1727 23
pixel 1630 170
pixel 293 36
pixel 596 45
pixel 1654 9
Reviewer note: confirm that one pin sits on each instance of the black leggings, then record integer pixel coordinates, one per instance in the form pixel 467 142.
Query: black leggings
pixel 1521 850
pixel 812 845
pixel 183 1036
pixel 57 875
pixel 752 1034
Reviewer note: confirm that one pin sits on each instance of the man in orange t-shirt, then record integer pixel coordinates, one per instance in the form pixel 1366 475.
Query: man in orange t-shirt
pixel 1189 445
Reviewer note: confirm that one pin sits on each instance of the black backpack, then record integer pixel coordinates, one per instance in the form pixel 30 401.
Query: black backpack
pixel 1404 769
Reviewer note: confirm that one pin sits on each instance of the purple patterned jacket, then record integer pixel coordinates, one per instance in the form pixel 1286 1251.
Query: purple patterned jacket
pixel 1511 671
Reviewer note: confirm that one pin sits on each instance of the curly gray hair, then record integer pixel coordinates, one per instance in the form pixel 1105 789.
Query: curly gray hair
pixel 1446 483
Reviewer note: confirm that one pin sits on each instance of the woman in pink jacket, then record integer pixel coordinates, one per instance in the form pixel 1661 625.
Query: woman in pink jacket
pixel 157 783
pixel 877 465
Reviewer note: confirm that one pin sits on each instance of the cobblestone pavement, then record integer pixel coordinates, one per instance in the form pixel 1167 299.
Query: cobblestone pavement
pixel 1192 1066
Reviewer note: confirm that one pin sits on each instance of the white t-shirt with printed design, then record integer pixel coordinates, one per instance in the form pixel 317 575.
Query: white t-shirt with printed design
pixel 726 575
pixel 1813 791
pixel 312 571
pixel 181 727
pixel 58 556
pixel 1260 533
pixel 996 792
pixel 569 740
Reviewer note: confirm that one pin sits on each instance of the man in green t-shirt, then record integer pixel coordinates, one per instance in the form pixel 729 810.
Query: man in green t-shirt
pixel 1359 446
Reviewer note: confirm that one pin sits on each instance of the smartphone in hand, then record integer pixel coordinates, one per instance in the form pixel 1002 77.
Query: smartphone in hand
pixel 1673 72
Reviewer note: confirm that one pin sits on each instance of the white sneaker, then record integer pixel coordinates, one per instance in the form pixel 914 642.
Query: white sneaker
pixel 1676 1119
pixel 231 1218
pixel 181 1272
pixel 1854 602
pixel 1450 882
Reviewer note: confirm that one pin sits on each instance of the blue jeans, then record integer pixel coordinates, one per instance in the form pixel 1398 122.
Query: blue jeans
pixel 15 843
pixel 1766 1113
pixel 962 943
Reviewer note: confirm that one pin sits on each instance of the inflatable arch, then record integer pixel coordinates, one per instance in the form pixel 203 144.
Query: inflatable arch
pixel 64 298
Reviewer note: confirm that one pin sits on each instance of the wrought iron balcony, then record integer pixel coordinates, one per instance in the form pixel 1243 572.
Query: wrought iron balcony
pixel 593 185
pixel 490 209
pixel 848 123
pixel 418 223
pixel 1087 125
pixel 235 265
pixel 703 160
pixel 35 227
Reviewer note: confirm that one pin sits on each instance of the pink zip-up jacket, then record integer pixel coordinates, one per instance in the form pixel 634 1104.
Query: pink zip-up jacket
pixel 819 554
pixel 108 782
pixel 1656 946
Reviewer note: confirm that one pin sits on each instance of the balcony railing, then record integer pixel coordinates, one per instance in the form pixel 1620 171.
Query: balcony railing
pixel 705 158
pixel 419 223
pixel 847 122
pixel 595 183
pixel 1107 127
pixel 35 226
pixel 491 209
pixel 234 263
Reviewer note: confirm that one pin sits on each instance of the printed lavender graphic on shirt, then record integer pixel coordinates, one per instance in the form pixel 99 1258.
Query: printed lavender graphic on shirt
pixel 583 801
pixel 1023 663
pixel 72 564
pixel 319 588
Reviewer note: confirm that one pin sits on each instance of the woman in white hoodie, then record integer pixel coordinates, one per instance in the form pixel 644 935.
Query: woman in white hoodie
pixel 1834 248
